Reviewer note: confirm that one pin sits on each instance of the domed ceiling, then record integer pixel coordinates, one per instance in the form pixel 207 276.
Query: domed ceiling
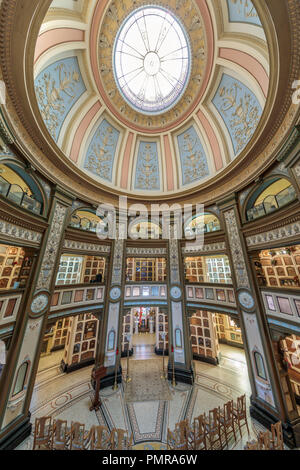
pixel 152 98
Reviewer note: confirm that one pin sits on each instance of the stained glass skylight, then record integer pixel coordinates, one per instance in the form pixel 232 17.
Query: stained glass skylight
pixel 152 60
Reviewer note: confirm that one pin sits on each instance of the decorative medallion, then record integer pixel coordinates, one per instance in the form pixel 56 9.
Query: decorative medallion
pixel 39 303
pixel 115 293
pixel 246 299
pixel 175 292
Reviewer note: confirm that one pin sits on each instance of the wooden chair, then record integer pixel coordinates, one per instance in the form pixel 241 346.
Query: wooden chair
pixel 120 440
pixel 199 433
pixel 42 433
pixel 175 441
pixel 227 420
pixel 240 413
pixel 99 438
pixel 277 436
pixel 185 433
pixel 77 436
pixel 213 427
pixel 60 435
pixel 264 441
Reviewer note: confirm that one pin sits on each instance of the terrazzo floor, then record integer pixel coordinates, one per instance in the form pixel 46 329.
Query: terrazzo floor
pixel 68 396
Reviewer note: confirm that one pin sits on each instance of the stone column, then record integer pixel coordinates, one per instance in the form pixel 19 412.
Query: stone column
pixel 266 401
pixel 22 362
pixel 110 338
pixel 179 340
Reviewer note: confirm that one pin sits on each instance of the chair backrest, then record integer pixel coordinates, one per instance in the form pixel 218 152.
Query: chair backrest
pixel 264 440
pixel 214 420
pixel 199 425
pixel 118 439
pixel 171 440
pixel 228 411
pixel 241 405
pixel 183 427
pixel 277 436
pixel 101 439
pixel 174 440
pixel 42 431
pixel 77 436
pixel 59 435
pixel 199 431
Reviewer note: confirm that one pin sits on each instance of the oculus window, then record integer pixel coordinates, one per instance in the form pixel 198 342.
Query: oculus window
pixel 152 59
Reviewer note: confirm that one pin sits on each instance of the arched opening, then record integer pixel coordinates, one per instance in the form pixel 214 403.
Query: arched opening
pixel 2 356
pixel 20 188
pixel 144 229
pixel 21 378
pixel 86 219
pixel 202 223
pixel 269 197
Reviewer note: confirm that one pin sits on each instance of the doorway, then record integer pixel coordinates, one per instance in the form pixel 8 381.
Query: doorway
pixel 145 332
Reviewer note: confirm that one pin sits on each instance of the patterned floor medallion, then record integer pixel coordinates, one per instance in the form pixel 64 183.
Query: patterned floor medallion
pixel 146 383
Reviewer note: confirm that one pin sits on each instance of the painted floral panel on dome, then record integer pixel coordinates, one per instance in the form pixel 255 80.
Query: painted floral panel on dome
pixel 101 152
pixel 58 87
pixel 147 167
pixel 242 11
pixel 192 156
pixel 240 110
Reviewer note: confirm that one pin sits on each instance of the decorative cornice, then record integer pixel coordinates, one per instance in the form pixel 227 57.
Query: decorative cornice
pixel 89 247
pixel 133 251
pixel 17 216
pixel 4 131
pixel 16 232
pixel 213 247
pixel 289 145
pixel 280 233
pixel 273 221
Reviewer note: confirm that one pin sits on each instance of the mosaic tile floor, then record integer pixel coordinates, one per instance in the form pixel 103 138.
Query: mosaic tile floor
pixel 68 396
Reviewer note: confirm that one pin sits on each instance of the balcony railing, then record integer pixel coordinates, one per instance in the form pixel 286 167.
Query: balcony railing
pixel 211 294
pixel 272 203
pixel 16 194
pixel 146 292
pixel 282 304
pixel 75 296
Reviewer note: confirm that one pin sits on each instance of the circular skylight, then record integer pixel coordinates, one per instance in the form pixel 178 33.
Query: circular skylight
pixel 151 60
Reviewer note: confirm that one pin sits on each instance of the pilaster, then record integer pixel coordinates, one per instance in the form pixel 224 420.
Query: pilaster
pixel 27 339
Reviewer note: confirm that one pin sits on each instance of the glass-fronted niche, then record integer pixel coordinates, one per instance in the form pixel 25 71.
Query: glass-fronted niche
pixel 207 269
pixel 278 267
pixel 15 266
pixel 86 219
pixel 144 229
pixel 14 188
pixel 81 269
pixel 146 269
pixel 270 197
pixel 202 223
